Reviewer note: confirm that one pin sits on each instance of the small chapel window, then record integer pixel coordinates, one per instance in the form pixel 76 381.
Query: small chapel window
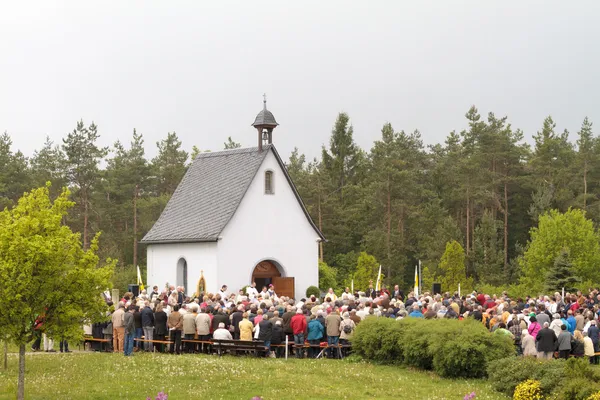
pixel 269 182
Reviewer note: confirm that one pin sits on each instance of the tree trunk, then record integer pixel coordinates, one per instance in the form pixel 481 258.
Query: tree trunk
pixel 468 223
pixel 389 230
pixel 320 225
pixel 85 222
pixel 584 185
pixel 21 384
pixel 135 243
pixel 506 229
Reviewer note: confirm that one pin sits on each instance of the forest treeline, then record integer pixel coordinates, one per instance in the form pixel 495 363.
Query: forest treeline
pixel 485 187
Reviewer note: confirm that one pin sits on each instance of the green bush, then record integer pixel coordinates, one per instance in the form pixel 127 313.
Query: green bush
pixel 561 378
pixel 376 339
pixel 123 276
pixel 451 348
pixel 313 291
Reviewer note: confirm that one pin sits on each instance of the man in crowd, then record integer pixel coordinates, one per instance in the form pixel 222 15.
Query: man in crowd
pixel 298 325
pixel 118 328
pixel 129 330
pixel 148 324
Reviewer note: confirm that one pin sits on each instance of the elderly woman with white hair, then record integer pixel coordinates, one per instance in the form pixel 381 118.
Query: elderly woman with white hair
pixel 347 327
pixel 528 344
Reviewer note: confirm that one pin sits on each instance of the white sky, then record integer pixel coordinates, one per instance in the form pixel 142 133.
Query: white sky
pixel 200 67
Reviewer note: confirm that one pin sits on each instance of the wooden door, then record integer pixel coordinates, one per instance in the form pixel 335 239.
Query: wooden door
pixel 284 286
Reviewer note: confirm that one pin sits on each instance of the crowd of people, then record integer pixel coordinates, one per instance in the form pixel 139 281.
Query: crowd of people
pixel 544 327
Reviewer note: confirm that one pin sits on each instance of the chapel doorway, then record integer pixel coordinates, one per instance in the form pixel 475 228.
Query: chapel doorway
pixel 267 272
pixel 182 274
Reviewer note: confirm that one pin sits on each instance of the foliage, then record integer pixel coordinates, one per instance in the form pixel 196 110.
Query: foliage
pixel 556 232
pixel 450 347
pixel 69 376
pixel 313 291
pixel 123 276
pixel 528 390
pixel 230 144
pixel 366 270
pixel 327 276
pixel 453 269
pixel 556 377
pixel 594 396
pixel 561 275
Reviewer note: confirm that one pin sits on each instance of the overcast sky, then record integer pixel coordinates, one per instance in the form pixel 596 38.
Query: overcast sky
pixel 200 68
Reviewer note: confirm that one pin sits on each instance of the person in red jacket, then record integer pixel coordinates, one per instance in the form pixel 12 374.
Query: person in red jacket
pixel 298 325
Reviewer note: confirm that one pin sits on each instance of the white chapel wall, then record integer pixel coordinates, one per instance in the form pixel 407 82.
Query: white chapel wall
pixel 163 258
pixel 269 227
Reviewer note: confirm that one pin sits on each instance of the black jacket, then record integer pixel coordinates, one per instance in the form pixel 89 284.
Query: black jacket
pixel 577 348
pixel 160 323
pixel 265 330
pixel 220 318
pixel 546 340
pixel 287 318
pixel 236 317
pixel 147 317
pixel 277 335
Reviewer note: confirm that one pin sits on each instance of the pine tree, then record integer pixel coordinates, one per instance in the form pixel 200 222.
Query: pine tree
pixel 83 157
pixel 562 275
pixel 230 144
pixel 169 165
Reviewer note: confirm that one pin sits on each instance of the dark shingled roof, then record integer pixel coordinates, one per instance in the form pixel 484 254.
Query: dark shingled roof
pixel 265 117
pixel 209 194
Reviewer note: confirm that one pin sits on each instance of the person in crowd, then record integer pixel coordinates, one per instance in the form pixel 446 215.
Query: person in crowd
pixel 265 332
pixel 118 328
pixel 139 332
pixel 370 291
pixel 129 330
pixel 577 344
pixel 416 312
pixel 546 341
pixel 224 292
pixel 251 291
pixel 175 324
pixel 588 347
pixel 556 324
pixel 594 335
pixel 346 330
pixel 315 334
pixel 236 318
pixel 221 333
pixel 534 326
pixel 564 343
pixel 528 344
pixel 299 327
pixel 332 324
pixel 278 339
pixel 189 328
pixel 246 328
pixel 160 325
pixel 203 328
pixel 148 324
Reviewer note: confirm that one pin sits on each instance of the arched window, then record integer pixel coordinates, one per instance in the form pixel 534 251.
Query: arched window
pixel 269 189
pixel 182 273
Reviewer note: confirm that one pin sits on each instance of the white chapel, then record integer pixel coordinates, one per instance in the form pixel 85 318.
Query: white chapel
pixel 236 217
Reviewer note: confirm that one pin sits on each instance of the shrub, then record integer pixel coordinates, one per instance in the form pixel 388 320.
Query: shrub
pixel 595 396
pixel 576 389
pixel 528 390
pixel 507 373
pixel 450 347
pixel 376 339
pixel 313 291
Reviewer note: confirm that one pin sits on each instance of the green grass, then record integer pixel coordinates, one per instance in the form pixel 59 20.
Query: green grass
pixel 113 376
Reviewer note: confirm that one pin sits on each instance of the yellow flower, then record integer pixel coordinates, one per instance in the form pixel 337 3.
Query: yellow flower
pixel 529 390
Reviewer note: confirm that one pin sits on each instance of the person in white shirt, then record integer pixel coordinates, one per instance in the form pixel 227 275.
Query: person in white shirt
pixel 221 333
pixel 264 292
pixel 223 292
pixel 251 290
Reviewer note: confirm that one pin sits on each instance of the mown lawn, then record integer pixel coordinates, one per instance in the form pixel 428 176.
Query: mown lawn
pixel 86 375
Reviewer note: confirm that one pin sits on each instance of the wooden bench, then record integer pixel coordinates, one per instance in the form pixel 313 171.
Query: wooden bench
pixel 257 347
pixel 198 341
pixel 103 342
pixel 165 342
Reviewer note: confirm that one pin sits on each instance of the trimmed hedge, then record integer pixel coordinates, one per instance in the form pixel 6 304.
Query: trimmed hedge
pixel 451 348
pixel 574 379
pixel 313 291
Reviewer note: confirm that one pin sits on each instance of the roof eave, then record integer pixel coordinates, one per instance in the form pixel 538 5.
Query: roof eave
pixel 179 241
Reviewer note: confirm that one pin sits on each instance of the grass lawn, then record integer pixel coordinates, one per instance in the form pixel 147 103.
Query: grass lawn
pixel 87 375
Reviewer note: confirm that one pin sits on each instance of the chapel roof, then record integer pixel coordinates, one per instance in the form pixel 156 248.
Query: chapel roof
pixel 209 195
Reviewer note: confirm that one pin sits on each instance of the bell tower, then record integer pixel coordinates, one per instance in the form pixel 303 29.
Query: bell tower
pixel 264 124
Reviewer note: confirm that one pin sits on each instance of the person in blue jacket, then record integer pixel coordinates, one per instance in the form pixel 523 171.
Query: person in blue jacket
pixel 315 334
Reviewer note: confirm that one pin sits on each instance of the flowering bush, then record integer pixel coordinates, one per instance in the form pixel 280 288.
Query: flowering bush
pixel 595 396
pixel 159 396
pixel 528 390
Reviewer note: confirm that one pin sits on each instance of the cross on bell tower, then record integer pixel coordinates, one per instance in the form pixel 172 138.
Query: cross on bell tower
pixel 264 124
